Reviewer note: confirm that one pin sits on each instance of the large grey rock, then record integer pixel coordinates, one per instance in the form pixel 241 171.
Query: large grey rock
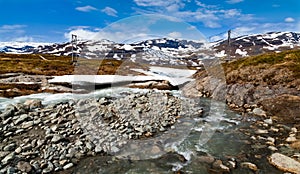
pixel 24 166
pixel 285 163
pixel 8 158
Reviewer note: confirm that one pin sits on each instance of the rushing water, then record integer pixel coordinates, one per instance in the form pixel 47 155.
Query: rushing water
pixel 180 148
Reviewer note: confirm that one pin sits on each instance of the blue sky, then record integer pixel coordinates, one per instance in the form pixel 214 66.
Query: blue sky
pixel 55 20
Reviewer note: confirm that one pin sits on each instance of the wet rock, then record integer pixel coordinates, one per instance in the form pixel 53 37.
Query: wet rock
pixel 268 121
pixel 67 166
pixel 49 168
pixel 261 131
pixel 9 112
pixel 33 104
pixel 273 148
pixel 24 166
pixel 249 165
pixel 57 138
pixel 18 150
pixel 218 165
pixel 21 118
pixel 295 145
pixel 206 159
pixel 10 170
pixel 28 124
pixel 291 139
pixel 8 158
pixel 10 147
pixel 284 163
pixel 259 112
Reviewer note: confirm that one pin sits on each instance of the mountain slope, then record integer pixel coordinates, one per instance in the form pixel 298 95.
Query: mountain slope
pixel 165 51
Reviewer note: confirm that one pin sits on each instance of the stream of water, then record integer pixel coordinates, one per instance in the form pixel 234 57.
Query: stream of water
pixel 216 133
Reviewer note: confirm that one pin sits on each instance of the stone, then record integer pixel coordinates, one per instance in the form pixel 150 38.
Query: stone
pixel 295 145
pixel 98 149
pixel 11 170
pixel 49 168
pixel 261 131
pixel 218 164
pixel 291 139
pixel 10 147
pixel 18 150
pixel 9 112
pixel 57 138
pixel 206 159
pixel 28 124
pixel 33 104
pixel 268 121
pixel 259 112
pixel 24 166
pixel 8 158
pixel 284 163
pixel 67 166
pixel 21 118
pixel 294 130
pixel 273 148
pixel 249 165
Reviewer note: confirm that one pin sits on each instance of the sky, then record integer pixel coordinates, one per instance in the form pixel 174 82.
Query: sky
pixel 123 20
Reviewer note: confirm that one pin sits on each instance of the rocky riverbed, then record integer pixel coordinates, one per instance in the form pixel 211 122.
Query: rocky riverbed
pixel 45 139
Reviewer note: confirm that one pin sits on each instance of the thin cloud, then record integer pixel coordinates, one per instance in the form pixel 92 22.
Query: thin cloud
pixel 234 1
pixel 110 11
pixel 12 27
pixel 210 15
pixel 289 19
pixel 24 39
pixel 175 35
pixel 87 8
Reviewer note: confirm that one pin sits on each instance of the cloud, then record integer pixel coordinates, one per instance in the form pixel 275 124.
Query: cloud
pixel 175 35
pixel 87 8
pixel 192 28
pixel 234 1
pixel 12 27
pixel 109 11
pixel 211 16
pixel 289 19
pixel 23 39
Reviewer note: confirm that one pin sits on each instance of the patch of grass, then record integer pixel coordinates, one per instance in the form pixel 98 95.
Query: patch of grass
pixel 35 65
pixel 286 59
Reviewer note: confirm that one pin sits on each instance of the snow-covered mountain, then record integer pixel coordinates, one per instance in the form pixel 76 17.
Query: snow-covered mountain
pixel 165 50
pixel 21 47
pixel 257 44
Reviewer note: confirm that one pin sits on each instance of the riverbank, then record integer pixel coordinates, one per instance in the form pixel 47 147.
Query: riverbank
pixel 268 87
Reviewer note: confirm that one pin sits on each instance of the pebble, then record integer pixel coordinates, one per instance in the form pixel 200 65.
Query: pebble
pixel 49 168
pixel 249 165
pixel 24 166
pixel 291 139
pixel 268 121
pixel 259 112
pixel 8 158
pixel 261 131
pixel 218 164
pixel 67 166
pixel 57 138
pixel 21 118
pixel 10 147
pixel 28 124
pixel 272 148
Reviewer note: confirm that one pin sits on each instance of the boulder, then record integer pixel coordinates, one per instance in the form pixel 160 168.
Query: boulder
pixel 284 163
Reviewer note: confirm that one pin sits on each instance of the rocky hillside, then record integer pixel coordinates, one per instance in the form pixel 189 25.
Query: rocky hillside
pixel 270 81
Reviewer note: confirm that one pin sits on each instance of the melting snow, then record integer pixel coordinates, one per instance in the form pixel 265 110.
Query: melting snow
pixel 240 52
